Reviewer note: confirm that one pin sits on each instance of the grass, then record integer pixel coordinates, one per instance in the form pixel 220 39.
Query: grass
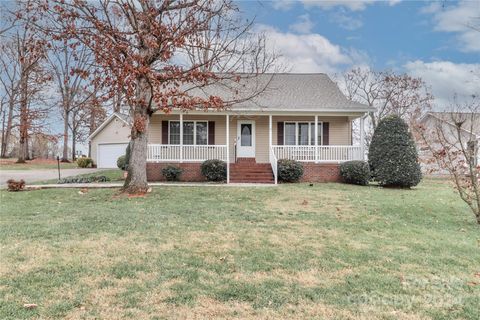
pixel 10 164
pixel 293 252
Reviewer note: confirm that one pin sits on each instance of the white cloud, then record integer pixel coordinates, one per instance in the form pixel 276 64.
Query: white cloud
pixel 447 79
pixel 458 19
pixel 345 21
pixel 393 2
pixel 303 25
pixel 354 5
pixel 310 52
pixel 283 5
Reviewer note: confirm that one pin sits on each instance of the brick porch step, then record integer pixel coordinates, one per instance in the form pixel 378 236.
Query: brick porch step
pixel 246 170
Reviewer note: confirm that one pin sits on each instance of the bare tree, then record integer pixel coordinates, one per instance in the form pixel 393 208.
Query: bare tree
pixel 9 82
pixel 452 143
pixel 65 58
pixel 30 51
pixel 388 92
pixel 7 20
pixel 139 46
pixel 96 114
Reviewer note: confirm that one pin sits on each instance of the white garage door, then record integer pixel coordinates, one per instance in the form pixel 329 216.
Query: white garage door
pixel 109 153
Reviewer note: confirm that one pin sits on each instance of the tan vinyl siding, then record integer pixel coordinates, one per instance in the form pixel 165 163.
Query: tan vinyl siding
pixel 155 130
pixel 116 131
pixel 340 130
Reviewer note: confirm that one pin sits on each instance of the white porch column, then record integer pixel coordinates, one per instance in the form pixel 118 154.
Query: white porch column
pixel 316 139
pixel 270 136
pixel 362 137
pixel 181 137
pixel 227 118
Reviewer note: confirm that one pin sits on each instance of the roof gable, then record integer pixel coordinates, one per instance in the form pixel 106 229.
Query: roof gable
pixel 121 117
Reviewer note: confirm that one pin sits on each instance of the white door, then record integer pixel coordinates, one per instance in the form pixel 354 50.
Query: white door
pixel 246 139
pixel 107 154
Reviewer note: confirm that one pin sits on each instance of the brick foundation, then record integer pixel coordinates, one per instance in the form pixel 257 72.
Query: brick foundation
pixel 191 171
pixel 321 172
pixel 313 172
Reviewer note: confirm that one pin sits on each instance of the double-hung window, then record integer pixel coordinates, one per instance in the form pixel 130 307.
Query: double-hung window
pixel 301 133
pixel 194 132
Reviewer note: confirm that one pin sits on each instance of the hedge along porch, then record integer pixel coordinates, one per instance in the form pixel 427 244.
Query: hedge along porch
pixel 252 141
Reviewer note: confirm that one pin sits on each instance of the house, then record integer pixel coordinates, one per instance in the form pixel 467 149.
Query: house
pixel 304 117
pixel 445 122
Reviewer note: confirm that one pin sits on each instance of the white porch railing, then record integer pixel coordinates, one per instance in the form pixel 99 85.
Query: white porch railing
pixel 186 153
pixel 274 164
pixel 318 153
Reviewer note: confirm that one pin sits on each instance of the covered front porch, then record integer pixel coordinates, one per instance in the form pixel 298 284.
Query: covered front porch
pixel 265 138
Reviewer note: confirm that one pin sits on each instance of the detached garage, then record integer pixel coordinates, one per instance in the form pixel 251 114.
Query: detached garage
pixel 110 140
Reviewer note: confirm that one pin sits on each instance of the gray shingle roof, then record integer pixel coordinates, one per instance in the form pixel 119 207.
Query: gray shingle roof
pixel 285 92
pixel 471 120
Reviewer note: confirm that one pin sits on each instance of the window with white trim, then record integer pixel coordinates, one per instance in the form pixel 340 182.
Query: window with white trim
pixel 301 133
pixel 194 132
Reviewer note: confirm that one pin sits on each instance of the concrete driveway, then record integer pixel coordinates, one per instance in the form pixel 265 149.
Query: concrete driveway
pixel 40 174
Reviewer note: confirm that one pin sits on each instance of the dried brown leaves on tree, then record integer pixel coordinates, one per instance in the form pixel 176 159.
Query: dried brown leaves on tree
pixel 156 53
pixel 450 144
pixel 389 92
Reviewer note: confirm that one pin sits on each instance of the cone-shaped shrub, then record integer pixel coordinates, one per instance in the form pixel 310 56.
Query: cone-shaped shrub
pixel 393 156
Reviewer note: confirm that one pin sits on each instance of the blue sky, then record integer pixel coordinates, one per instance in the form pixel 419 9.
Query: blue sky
pixel 432 40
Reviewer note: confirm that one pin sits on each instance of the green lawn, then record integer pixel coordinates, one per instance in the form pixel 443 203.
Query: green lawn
pixel 10 164
pixel 293 252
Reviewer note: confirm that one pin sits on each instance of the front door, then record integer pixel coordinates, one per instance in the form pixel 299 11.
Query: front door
pixel 246 139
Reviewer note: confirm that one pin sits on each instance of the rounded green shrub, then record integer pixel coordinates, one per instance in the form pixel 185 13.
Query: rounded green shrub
pixel 289 170
pixel 172 173
pixel 214 170
pixel 84 162
pixel 121 163
pixel 392 155
pixel 355 172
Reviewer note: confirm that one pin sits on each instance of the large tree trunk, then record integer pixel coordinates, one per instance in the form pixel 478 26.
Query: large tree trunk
pixel 117 101
pixel 74 146
pixel 23 121
pixel 27 148
pixel 2 145
pixel 136 181
pixel 65 136
pixel 8 129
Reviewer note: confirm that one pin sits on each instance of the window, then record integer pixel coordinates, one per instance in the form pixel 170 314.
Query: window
pixel 290 133
pixel 174 132
pixel 194 132
pixel 301 133
pixel 188 131
pixel 246 135
pixel 201 135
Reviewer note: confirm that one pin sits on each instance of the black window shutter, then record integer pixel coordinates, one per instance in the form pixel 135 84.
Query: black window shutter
pixel 326 131
pixel 164 132
pixel 280 133
pixel 211 132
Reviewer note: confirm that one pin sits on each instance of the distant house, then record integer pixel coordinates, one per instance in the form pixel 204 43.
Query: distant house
pixel 303 117
pixel 470 132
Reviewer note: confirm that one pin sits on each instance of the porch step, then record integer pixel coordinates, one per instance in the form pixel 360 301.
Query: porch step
pixel 246 170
